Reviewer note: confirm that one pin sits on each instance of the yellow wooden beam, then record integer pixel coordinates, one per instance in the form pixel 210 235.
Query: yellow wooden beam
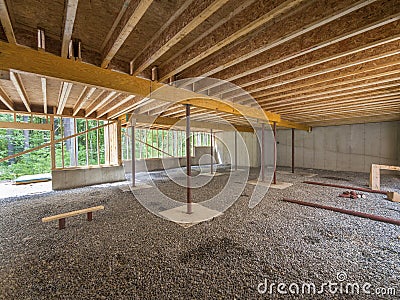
pixel 14 57
pixel 176 122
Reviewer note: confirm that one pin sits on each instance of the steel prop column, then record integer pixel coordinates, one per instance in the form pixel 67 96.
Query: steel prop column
pixel 262 151
pixel 274 152
pixel 133 154
pixel 292 150
pixel 188 162
pixel 212 152
pixel 236 154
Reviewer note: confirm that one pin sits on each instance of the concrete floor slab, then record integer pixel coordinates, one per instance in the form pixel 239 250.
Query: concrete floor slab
pixel 305 174
pixel 200 214
pixel 278 185
pixel 211 174
pixel 139 186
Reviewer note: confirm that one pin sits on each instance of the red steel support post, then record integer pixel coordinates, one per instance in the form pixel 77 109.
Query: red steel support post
pixel 292 150
pixel 275 153
pixel 188 162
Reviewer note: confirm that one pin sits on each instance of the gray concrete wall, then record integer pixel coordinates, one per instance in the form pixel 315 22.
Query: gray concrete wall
pixel 72 178
pixel 342 148
pixel 202 157
pixel 248 149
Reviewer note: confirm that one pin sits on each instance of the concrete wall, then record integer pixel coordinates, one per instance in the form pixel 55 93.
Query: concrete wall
pixel 202 157
pixel 342 148
pixel 72 178
pixel 248 149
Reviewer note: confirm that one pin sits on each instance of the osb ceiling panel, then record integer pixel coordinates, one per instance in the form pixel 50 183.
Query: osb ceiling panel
pixel 45 14
pixel 94 19
pixel 158 13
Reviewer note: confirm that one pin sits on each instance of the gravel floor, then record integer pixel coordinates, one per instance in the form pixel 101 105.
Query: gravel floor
pixel 128 253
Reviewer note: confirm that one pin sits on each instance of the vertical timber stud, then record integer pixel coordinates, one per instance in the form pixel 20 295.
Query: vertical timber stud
pixel 212 152
pixel 236 152
pixel 119 143
pixel 275 153
pixel 53 146
pixel 292 150
pixel 133 155
pixel 188 162
pixel 262 151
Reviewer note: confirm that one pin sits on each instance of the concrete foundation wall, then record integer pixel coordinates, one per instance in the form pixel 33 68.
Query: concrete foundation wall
pixel 342 148
pixel 72 178
pixel 248 148
pixel 202 157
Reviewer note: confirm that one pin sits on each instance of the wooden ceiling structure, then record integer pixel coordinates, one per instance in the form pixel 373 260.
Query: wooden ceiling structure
pixel 305 62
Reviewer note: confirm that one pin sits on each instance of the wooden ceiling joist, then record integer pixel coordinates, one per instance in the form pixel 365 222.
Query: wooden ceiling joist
pixel 153 39
pixel 353 72
pixel 350 90
pixel 206 33
pixel 192 17
pixel 368 103
pixel 280 82
pixel 229 74
pixel 14 57
pixel 342 83
pixel 127 24
pixel 83 99
pixel 6 22
pixel 256 45
pixel 44 92
pixel 125 108
pixel 196 53
pixel 117 102
pixel 6 100
pixel 17 82
pixel 259 83
pixel 100 102
pixel 70 14
pixel 65 90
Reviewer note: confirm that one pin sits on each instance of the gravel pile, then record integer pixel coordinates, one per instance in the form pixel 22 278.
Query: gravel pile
pixel 128 253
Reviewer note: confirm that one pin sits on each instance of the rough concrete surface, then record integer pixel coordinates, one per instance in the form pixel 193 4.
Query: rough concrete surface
pixel 128 253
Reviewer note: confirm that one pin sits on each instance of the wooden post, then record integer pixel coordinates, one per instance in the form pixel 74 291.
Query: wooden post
pixel 53 146
pixel 188 162
pixel 119 143
pixel 87 143
pixel 275 153
pixel 292 150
